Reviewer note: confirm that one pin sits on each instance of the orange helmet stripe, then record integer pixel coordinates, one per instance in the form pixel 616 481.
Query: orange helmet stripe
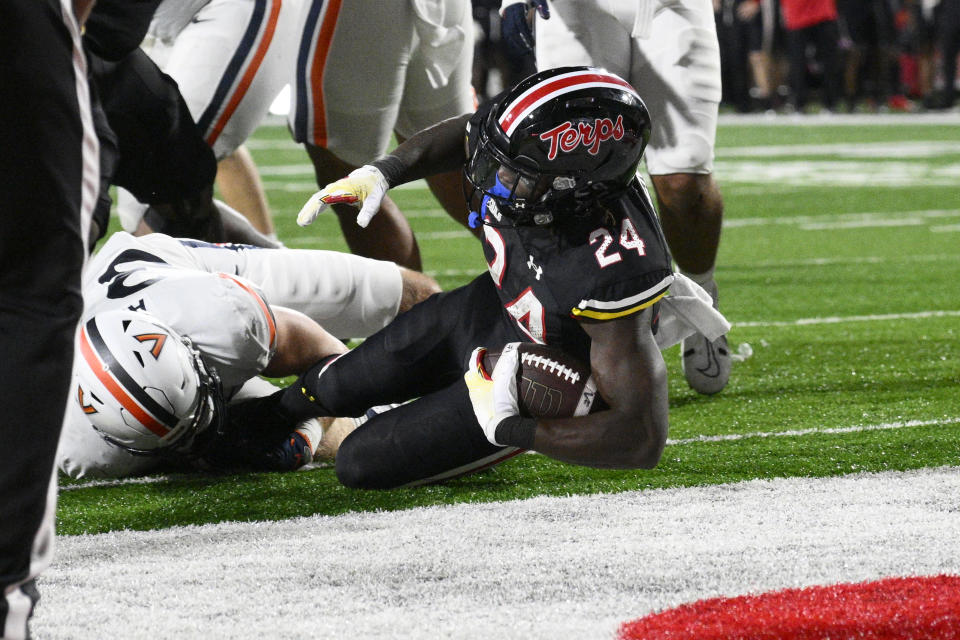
pixel 102 372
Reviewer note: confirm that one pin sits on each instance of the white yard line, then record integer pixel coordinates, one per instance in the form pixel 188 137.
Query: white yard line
pixel 875 150
pixel 840 119
pixel 820 262
pixel 801 322
pixel 779 264
pixel 856 218
pixel 114 483
pixel 571 567
pixel 884 426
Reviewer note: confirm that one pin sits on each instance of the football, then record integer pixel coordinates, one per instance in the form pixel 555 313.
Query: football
pixel 551 383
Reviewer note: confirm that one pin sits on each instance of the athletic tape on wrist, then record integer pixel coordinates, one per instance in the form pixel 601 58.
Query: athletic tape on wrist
pixel 516 431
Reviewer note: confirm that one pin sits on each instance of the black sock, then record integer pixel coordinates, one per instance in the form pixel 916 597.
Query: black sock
pixel 300 399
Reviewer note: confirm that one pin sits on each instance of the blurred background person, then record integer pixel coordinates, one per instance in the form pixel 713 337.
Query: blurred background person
pixel 916 51
pixel 871 68
pixel 746 30
pixel 946 18
pixel 812 24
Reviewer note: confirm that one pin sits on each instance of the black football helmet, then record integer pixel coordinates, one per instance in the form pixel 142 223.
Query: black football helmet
pixel 556 144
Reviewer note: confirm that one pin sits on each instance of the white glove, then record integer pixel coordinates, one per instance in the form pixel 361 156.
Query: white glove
pixel 493 397
pixel 364 188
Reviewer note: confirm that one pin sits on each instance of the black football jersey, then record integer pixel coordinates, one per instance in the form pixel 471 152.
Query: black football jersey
pixel 550 278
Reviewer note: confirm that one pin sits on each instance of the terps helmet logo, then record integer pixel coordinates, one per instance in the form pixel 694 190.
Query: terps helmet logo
pixel 568 136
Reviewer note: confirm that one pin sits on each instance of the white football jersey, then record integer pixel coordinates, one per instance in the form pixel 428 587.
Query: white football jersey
pixel 220 296
pixel 225 316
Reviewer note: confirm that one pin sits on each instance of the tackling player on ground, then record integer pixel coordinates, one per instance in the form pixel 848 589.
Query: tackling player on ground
pixel 173 329
pixel 576 260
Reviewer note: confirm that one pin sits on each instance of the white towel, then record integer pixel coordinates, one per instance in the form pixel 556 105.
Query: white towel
pixel 686 310
pixel 643 19
pixel 441 45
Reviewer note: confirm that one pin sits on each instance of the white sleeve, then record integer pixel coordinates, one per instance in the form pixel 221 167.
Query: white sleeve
pixel 226 317
pixel 349 296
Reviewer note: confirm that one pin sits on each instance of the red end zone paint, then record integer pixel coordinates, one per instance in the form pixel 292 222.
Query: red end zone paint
pixel 889 609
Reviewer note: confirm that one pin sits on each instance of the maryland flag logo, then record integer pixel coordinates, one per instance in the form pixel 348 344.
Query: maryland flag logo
pixel 158 340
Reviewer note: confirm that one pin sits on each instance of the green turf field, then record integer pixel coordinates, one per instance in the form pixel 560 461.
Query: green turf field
pixel 839 267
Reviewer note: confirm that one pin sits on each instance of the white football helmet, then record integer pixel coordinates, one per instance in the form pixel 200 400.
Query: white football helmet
pixel 142 386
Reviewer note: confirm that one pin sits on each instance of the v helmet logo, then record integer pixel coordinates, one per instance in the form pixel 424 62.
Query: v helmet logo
pixel 87 408
pixel 158 340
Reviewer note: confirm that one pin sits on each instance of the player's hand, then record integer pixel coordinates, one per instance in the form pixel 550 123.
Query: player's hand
pixel 364 188
pixel 494 396
pixel 516 25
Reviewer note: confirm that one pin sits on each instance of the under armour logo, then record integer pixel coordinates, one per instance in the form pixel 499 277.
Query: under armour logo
pixel 534 267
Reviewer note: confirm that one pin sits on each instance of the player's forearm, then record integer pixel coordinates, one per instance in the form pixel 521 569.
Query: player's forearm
pixel 607 439
pixel 434 150
pixel 301 342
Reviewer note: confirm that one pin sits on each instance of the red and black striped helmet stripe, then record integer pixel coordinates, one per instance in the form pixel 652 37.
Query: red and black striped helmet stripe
pixel 554 86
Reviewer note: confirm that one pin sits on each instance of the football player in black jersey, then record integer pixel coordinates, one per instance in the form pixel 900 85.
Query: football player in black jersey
pixel 576 260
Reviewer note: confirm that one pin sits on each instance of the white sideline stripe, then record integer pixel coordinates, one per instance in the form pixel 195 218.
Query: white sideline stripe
pixel 906 424
pixel 920 315
pixel 543 568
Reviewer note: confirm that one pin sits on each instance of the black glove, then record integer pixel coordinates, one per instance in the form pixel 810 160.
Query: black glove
pixel 516 26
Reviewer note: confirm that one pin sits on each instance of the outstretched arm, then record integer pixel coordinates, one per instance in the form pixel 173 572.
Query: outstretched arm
pixel 434 150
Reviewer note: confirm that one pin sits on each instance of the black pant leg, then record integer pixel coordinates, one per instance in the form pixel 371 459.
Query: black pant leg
pixel 422 351
pixel 827 40
pixel 423 354
pixel 796 54
pixel 948 42
pixel 429 439
pixel 48 173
